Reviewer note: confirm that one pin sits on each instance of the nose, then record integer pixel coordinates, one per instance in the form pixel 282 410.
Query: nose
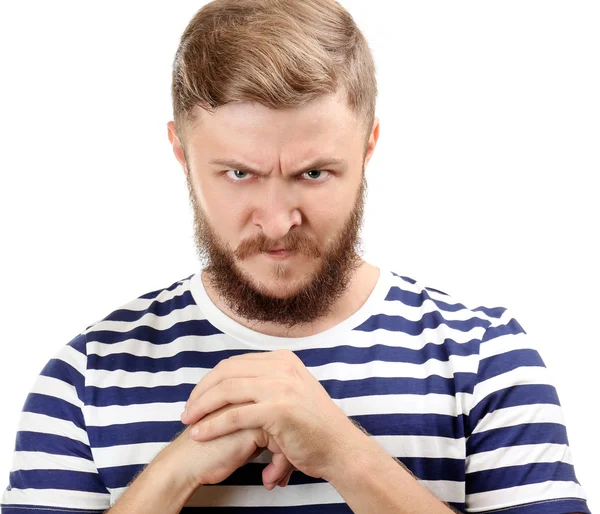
pixel 277 210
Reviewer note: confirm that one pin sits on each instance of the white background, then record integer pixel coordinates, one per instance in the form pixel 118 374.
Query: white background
pixel 484 183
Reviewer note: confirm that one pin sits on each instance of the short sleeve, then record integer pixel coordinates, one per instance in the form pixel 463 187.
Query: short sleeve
pixel 53 470
pixel 518 459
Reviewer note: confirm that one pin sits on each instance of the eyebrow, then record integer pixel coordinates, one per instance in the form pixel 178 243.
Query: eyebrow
pixel 317 164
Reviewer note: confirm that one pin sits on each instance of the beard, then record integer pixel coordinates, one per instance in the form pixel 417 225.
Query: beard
pixel 315 300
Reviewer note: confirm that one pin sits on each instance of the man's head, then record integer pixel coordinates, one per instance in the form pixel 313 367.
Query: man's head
pixel 274 125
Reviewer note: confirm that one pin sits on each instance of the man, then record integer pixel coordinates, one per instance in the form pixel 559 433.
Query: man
pixel 362 390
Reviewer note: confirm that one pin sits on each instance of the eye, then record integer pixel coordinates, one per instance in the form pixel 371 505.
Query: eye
pixel 237 175
pixel 318 173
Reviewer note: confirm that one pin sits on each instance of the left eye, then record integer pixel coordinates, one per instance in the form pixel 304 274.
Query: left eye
pixel 318 172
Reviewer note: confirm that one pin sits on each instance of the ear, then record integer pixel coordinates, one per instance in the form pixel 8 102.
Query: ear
pixel 177 147
pixel 372 141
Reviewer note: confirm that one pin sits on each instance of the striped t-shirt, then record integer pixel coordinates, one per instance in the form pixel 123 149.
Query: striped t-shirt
pixel 457 394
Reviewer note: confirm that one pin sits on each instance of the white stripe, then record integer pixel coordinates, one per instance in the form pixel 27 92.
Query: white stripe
pixel 394 445
pixel 422 446
pixel 519 376
pixel 137 413
pixel 357 406
pixel 518 455
pixel 33 422
pixel 446 490
pixel 336 371
pixel 73 357
pixel 127 454
pixel 57 498
pixel 42 460
pixel 256 496
pixel 223 342
pixel 431 403
pixel 188 313
pixel 519 415
pixel 504 498
pixel 142 304
pixel 505 343
pixel 50 386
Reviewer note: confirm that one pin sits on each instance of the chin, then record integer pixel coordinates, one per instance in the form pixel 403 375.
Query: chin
pixel 279 280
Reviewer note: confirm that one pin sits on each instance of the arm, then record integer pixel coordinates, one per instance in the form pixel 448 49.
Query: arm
pixel 370 481
pixel 184 465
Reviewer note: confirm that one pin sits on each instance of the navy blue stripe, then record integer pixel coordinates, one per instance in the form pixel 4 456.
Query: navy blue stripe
pixel 251 473
pixel 407 279
pixel 492 312
pixel 56 479
pixel 157 308
pixel 310 358
pixel 145 333
pixel 132 433
pixel 54 407
pixel 512 327
pixel 337 389
pixel 413 299
pixel 558 506
pixel 507 361
pixel 527 433
pixel 37 509
pixel 526 394
pixel 329 508
pixel 175 285
pixel 512 476
pixel 429 320
pixel 436 290
pixel 51 443
pixel 78 343
pixel 63 371
pixel 439 425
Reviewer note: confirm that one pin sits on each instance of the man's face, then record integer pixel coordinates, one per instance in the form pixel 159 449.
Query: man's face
pixel 261 180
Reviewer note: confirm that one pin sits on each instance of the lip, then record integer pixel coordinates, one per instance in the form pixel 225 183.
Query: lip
pixel 279 254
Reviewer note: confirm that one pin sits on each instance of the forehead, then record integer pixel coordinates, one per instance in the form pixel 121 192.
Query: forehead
pixel 325 125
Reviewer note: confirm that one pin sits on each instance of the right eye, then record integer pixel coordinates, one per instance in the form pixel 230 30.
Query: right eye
pixel 237 175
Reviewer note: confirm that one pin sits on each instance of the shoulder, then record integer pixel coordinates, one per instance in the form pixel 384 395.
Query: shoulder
pixel 157 310
pixel 432 307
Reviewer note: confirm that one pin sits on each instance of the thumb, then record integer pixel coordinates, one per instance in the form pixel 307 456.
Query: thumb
pixel 278 468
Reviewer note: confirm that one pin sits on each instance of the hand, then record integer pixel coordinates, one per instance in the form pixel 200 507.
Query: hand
pixel 281 397
pixel 212 462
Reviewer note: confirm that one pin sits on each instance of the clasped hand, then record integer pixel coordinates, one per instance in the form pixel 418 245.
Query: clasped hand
pixel 283 398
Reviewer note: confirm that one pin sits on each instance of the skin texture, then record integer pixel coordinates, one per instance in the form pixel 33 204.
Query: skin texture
pixel 213 461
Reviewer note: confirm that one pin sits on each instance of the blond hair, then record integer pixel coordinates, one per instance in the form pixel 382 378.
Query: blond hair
pixel 278 53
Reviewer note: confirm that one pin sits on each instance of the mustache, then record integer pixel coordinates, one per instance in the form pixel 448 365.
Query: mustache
pixel 294 241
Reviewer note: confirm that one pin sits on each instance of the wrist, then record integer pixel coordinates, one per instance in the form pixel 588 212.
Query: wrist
pixel 167 466
pixel 352 456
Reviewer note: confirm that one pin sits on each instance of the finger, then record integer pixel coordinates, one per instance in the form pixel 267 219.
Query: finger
pixel 249 416
pixel 229 391
pixel 228 368
pixel 277 470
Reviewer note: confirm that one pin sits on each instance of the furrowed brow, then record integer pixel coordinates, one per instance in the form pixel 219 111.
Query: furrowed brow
pixel 317 164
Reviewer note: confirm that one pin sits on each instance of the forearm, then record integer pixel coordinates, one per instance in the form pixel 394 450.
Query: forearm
pixel 372 481
pixel 157 490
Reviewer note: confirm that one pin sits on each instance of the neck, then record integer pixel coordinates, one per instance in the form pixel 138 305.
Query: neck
pixel 360 287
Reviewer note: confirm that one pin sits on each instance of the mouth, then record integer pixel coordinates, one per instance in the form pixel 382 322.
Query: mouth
pixel 281 252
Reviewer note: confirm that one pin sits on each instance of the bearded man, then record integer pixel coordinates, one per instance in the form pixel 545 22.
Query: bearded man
pixel 310 380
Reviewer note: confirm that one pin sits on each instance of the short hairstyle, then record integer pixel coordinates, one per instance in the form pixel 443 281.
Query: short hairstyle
pixel 278 53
